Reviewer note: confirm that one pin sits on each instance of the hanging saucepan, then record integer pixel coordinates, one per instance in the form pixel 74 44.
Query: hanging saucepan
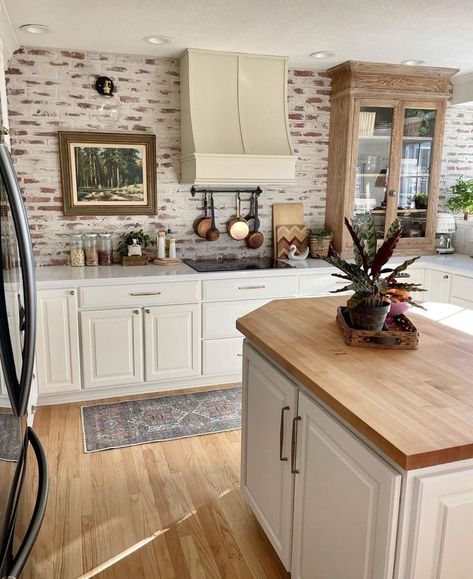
pixel 250 218
pixel 255 239
pixel 237 228
pixel 213 233
pixel 203 224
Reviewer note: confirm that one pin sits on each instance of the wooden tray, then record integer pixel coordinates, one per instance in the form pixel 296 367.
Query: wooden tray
pixel 402 335
pixel 167 261
pixel 134 260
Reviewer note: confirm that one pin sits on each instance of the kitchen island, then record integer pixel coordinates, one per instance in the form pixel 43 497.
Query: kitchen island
pixel 358 462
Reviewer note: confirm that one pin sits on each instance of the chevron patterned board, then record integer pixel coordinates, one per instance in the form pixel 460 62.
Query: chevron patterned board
pixel 287 235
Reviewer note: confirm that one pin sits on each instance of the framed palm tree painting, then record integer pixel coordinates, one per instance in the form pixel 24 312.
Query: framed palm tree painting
pixel 108 173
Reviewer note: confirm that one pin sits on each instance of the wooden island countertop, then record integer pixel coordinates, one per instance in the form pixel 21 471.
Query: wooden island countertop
pixel 416 406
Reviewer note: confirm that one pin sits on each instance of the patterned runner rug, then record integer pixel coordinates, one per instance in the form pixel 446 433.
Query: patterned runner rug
pixel 119 424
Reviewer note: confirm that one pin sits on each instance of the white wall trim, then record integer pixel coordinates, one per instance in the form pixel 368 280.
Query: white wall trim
pixel 8 38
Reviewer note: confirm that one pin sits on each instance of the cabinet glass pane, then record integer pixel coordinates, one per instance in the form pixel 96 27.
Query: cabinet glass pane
pixel 413 198
pixel 374 146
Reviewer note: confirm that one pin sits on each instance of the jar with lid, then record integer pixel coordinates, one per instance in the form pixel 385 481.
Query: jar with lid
pixel 77 251
pixel 105 250
pixel 90 248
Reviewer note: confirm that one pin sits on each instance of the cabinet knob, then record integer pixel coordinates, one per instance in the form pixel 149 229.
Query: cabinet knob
pixel 148 311
pixel 136 311
pixel 445 276
pixel 72 293
pixel 4 130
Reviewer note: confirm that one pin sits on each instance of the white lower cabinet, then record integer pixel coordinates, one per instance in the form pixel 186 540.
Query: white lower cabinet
pixel 438 285
pixel 172 342
pixel 221 356
pixel 269 407
pixel 58 351
pixel 341 520
pixel 346 503
pixel 112 347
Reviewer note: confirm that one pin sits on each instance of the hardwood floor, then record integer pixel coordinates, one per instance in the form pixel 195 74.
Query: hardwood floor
pixel 166 510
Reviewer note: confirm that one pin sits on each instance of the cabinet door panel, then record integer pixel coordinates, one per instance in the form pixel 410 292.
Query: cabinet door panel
pixel 221 356
pixel 443 538
pixel 437 284
pixel 58 342
pixel 112 347
pixel 346 503
pixel 172 342
pixel 266 480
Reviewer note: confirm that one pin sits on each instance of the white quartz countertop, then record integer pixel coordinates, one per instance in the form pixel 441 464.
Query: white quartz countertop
pixel 60 276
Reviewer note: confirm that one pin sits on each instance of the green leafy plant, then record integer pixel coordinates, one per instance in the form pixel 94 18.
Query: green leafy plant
pixel 373 284
pixel 126 239
pixel 421 200
pixel 427 121
pixel 320 233
pixel 462 198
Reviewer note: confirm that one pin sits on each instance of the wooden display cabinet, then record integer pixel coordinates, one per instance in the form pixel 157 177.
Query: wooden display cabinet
pixel 386 136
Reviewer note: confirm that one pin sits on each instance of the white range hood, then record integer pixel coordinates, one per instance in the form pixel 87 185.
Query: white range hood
pixel 234 124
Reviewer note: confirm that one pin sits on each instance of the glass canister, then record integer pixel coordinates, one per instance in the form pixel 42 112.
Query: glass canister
pixel 90 249
pixel 77 251
pixel 105 249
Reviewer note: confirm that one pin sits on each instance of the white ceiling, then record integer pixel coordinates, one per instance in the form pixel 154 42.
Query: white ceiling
pixel 438 31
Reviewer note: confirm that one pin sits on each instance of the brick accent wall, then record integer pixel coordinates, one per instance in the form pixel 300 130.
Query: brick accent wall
pixel 51 90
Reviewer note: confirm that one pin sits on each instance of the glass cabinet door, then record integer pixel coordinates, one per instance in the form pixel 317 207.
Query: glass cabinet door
pixel 375 130
pixel 415 170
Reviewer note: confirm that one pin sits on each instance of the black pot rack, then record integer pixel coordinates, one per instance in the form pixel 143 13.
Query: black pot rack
pixel 234 190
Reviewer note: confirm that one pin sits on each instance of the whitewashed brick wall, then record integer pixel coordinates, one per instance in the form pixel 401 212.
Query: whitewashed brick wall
pixel 51 90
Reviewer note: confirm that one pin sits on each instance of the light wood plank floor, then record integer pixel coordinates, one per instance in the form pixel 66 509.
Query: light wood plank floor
pixel 166 510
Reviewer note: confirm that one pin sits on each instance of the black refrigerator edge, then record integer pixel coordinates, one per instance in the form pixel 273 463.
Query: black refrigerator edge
pixel 22 458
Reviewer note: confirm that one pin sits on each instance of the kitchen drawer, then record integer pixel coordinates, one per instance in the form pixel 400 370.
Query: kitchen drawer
pixel 250 288
pixel 219 318
pixel 467 304
pixel 222 356
pixel 462 287
pixel 140 294
pixel 320 284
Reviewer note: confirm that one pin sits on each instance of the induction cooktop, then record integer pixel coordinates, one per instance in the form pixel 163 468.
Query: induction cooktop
pixel 206 265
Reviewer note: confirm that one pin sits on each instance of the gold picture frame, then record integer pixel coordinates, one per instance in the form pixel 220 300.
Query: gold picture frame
pixel 108 173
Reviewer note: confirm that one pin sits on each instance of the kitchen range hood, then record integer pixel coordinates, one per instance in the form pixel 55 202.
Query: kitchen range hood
pixel 234 123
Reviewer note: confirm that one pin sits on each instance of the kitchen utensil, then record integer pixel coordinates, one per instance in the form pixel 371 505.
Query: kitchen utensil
pixel 287 235
pixel 286 214
pixel 213 233
pixel 255 238
pixel 237 228
pixel 250 218
pixel 203 224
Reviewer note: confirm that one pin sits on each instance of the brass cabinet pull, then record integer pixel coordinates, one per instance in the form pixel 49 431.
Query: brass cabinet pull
pixel 281 435
pixel 294 470
pixel 138 294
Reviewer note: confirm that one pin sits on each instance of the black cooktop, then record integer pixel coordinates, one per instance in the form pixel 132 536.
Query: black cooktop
pixel 205 265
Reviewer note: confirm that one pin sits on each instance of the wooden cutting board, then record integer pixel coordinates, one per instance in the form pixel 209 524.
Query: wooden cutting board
pixel 286 214
pixel 287 235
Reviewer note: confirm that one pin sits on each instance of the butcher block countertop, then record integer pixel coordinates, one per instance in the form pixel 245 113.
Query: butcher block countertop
pixel 416 406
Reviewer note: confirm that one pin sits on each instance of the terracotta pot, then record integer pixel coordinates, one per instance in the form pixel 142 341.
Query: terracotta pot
pixel 368 318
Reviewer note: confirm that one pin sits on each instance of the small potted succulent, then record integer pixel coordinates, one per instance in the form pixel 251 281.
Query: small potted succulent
pixel 375 286
pixel 132 239
pixel 421 200
pixel 462 199
pixel 319 243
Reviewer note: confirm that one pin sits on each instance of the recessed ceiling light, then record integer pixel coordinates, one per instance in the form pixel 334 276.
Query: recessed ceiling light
pixel 413 62
pixel 35 28
pixel 158 39
pixel 324 54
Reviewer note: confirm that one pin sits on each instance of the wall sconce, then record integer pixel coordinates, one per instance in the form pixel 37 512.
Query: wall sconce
pixel 104 86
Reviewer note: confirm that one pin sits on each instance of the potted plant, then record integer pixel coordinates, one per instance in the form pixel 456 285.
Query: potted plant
pixel 319 243
pixel 375 286
pixel 134 237
pixel 421 200
pixel 462 198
